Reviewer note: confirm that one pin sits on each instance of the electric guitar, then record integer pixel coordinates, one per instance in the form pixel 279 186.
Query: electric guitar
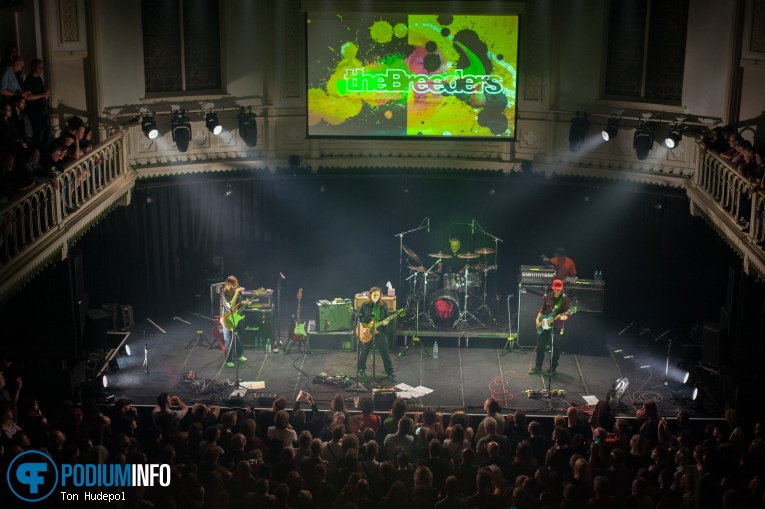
pixel 297 331
pixel 231 319
pixel 365 331
pixel 548 320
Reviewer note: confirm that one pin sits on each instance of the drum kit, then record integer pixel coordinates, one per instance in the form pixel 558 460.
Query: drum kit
pixel 444 300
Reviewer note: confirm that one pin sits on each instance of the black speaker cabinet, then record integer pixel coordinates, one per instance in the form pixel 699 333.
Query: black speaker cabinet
pixel 712 336
pixel 338 340
pixel 96 325
pixel 257 326
pixel 587 299
pixel 333 317
pixel 529 301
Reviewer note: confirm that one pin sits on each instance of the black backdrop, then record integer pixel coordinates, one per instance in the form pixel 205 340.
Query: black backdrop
pixel 334 235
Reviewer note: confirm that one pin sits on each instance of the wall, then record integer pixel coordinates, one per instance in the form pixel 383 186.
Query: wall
pixel 708 57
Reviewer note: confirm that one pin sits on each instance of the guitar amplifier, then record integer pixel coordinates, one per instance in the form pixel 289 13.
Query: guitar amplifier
pixel 257 326
pixel 261 301
pixel 536 274
pixel 333 316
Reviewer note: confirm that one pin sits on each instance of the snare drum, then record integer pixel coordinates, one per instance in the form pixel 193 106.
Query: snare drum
pixel 453 281
pixel 444 308
pixel 474 279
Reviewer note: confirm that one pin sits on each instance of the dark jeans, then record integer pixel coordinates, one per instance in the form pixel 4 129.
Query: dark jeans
pixel 230 357
pixel 381 342
pixel 40 127
pixel 544 343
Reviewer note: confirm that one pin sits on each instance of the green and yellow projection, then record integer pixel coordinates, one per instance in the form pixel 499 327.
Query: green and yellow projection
pixel 412 75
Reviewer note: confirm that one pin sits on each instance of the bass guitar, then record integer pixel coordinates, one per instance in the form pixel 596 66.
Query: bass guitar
pixel 548 320
pixel 297 330
pixel 231 319
pixel 365 331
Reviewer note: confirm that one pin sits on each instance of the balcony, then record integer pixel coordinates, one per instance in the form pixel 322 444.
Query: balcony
pixel 36 228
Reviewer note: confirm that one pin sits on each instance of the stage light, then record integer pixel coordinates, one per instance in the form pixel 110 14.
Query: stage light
pixel 211 119
pixel 229 190
pixel 248 127
pixel 105 381
pixel 684 374
pixel 577 134
pixel 616 392
pixel 181 127
pixel 125 350
pixel 674 136
pixel 688 392
pixel 149 126
pixel 611 130
pixel 643 140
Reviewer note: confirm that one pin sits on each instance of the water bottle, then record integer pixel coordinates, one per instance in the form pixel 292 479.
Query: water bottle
pixel 435 350
pixel 595 276
pixel 257 343
pixel 600 275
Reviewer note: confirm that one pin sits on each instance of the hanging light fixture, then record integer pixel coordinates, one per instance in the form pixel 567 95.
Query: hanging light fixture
pixel 674 136
pixel 642 142
pixel 149 126
pixel 181 126
pixel 611 130
pixel 211 120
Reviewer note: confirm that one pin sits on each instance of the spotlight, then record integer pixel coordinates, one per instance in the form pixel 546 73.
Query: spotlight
pixel 149 197
pixel 229 190
pixel 643 140
pixel 248 128
pixel 181 127
pixel 211 119
pixel 616 392
pixel 149 126
pixel 105 381
pixel 125 350
pixel 674 136
pixel 612 129
pixel 687 392
pixel 578 132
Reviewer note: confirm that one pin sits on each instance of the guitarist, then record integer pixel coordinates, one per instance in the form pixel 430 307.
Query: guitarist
pixel 374 310
pixel 557 302
pixel 230 296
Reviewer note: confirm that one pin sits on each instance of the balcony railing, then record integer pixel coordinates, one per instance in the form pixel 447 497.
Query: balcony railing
pixel 41 221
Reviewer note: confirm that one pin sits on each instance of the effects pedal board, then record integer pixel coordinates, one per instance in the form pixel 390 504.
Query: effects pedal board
pixel 542 393
pixel 264 398
pixel 337 381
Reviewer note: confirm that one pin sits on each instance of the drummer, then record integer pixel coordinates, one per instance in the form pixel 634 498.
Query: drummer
pixel 455 264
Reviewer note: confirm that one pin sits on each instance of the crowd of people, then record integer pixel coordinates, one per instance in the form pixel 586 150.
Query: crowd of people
pixel 396 459
pixel 29 153
pixel 749 162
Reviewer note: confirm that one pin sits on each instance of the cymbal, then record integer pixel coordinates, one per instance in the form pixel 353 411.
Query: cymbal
pixel 411 254
pixel 440 255
pixel 467 255
pixel 485 250
pixel 418 269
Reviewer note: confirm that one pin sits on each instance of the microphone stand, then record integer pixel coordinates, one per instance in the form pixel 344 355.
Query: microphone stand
pixel 145 354
pixel 401 245
pixel 357 386
pixel 279 310
pixel 496 240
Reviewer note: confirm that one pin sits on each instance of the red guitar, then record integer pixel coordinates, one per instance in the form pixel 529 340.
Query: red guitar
pixel 297 330
pixel 217 332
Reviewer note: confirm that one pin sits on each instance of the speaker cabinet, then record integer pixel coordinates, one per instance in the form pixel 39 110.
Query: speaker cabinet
pixel 588 300
pixel 333 317
pixel 96 325
pixel 529 301
pixel 712 336
pixel 257 326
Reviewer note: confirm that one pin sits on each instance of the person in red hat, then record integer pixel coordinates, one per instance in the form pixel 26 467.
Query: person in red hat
pixel 555 304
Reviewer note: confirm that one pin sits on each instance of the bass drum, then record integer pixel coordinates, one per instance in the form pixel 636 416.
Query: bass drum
pixel 444 308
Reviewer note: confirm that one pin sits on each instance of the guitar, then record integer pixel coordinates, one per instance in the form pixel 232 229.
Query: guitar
pixel 231 319
pixel 548 320
pixel 217 332
pixel 297 330
pixel 365 330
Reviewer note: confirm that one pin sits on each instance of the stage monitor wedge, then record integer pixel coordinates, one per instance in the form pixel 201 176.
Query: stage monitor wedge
pixel 377 75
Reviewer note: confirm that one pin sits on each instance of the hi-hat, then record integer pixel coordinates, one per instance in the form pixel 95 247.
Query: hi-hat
pixel 418 269
pixel 485 250
pixel 411 254
pixel 440 255
pixel 467 255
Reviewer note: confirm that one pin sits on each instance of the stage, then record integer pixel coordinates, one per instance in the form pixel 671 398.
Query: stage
pixel 472 365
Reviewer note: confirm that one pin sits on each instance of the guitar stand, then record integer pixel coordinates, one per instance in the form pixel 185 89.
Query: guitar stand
pixel 305 349
pixel 200 338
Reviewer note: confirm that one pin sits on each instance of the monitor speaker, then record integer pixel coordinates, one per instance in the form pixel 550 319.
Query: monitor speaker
pixel 529 301
pixel 257 326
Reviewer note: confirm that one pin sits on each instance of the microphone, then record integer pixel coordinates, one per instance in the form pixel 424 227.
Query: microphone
pixel 428 225
pixel 472 227
pixel 282 276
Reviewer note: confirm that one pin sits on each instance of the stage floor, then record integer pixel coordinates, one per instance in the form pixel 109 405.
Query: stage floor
pixel 462 377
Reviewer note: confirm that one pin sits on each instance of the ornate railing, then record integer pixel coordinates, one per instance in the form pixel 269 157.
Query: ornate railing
pixel 42 221
pixel 734 195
